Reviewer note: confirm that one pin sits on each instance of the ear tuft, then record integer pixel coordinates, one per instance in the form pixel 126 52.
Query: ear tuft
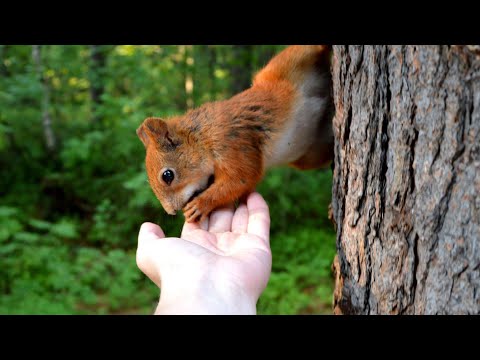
pixel 152 128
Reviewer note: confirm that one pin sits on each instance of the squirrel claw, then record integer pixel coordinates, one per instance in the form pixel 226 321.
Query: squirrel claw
pixel 193 212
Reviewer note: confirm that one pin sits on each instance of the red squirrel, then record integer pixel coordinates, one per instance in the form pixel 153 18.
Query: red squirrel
pixel 217 153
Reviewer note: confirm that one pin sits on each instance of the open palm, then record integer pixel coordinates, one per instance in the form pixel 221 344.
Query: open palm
pixel 225 257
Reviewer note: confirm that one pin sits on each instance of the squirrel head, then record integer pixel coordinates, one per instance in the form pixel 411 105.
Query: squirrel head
pixel 177 168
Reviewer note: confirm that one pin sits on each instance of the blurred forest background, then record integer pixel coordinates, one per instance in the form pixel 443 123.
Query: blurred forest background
pixel 73 186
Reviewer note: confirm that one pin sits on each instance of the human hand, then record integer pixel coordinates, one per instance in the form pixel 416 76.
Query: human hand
pixel 218 266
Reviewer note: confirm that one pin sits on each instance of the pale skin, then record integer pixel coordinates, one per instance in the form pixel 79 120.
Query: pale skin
pixel 218 266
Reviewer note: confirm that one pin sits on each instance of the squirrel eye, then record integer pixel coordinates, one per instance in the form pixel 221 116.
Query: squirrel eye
pixel 168 176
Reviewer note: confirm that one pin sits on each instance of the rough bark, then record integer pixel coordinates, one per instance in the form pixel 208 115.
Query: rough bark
pixel 406 193
pixel 50 140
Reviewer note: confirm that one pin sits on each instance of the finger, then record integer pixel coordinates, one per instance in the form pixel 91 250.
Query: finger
pixel 148 236
pixel 258 217
pixel 221 219
pixel 204 223
pixel 191 227
pixel 240 219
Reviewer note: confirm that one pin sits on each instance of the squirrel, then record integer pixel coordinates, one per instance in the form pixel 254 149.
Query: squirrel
pixel 217 153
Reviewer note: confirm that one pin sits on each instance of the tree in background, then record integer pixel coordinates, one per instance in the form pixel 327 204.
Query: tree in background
pixel 241 68
pixel 48 133
pixel 97 77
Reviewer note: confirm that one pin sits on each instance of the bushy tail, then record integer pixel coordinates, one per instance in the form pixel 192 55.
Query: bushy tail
pixel 293 63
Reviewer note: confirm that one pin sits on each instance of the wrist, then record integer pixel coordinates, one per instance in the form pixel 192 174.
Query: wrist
pixel 207 301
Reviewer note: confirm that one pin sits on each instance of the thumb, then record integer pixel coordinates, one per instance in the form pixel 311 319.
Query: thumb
pixel 150 231
pixel 148 235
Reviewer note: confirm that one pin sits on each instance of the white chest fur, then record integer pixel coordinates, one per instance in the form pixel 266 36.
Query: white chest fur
pixel 301 129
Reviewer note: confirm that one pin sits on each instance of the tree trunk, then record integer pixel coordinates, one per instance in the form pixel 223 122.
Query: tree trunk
pixel 98 60
pixel 187 63
pixel 266 54
pixel 48 133
pixel 241 68
pixel 406 192
pixel 3 68
pixel 189 68
pixel 212 64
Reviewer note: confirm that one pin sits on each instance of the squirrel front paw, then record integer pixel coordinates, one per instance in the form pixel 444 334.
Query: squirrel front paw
pixel 197 210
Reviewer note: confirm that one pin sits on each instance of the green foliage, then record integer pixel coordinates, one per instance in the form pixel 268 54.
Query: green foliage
pixel 302 242
pixel 69 218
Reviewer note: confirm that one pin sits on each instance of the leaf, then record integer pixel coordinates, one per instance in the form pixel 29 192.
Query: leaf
pixel 39 224
pixel 26 237
pixel 8 228
pixel 7 249
pixel 65 229
pixel 6 211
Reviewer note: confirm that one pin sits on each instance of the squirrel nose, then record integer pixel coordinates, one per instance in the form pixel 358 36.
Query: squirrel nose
pixel 170 210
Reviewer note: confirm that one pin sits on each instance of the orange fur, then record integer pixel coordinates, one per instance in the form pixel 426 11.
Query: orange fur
pixel 233 142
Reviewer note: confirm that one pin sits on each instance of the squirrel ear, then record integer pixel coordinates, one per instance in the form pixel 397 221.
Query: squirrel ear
pixel 152 128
